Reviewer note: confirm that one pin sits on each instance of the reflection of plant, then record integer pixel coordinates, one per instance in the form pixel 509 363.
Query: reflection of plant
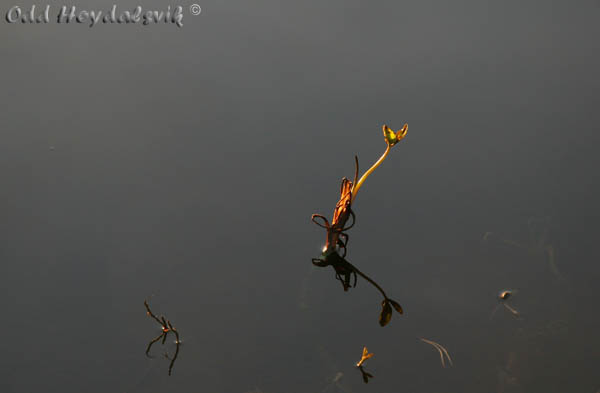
pixel 365 374
pixel 344 270
pixel 538 244
pixel 337 238
pixel 334 381
pixel 552 329
pixel 507 381
pixel 335 384
pixel 166 328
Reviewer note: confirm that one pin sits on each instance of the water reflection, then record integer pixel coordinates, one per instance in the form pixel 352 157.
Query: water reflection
pixel 537 245
pixel 365 375
pixel 336 385
pixel 507 381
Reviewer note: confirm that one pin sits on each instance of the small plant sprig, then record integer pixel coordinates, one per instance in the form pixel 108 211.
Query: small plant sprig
pixel 166 328
pixel 365 355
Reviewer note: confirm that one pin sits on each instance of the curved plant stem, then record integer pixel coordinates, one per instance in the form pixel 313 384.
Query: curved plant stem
pixel 367 173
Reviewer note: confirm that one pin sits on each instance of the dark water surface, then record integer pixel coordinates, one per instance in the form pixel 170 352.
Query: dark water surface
pixel 182 165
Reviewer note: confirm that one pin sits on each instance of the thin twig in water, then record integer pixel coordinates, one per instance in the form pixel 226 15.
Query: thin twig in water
pixel 166 327
pixel 440 349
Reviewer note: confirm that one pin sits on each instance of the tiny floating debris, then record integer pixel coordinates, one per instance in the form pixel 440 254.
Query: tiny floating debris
pixel 505 294
pixel 440 349
pixel 365 355
pixel 503 297
pixel 166 328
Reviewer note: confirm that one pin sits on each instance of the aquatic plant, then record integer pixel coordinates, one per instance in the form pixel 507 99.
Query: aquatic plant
pixel 337 238
pixel 336 231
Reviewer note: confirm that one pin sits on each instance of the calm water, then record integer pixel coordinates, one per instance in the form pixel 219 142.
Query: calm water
pixel 182 165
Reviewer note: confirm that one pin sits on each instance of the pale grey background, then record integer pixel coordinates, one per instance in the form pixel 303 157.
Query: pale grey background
pixel 186 163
